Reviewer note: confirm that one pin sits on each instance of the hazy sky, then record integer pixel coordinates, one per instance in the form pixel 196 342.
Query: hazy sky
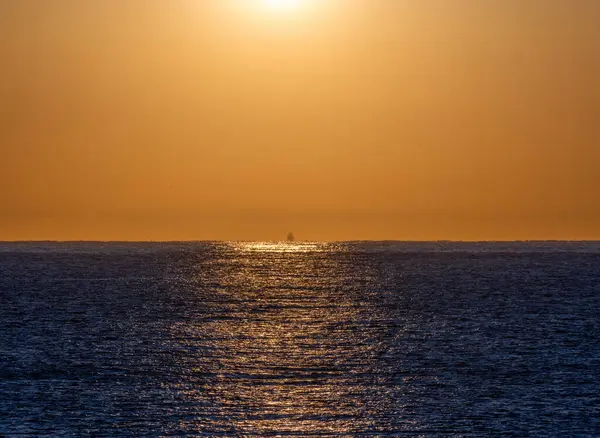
pixel 337 119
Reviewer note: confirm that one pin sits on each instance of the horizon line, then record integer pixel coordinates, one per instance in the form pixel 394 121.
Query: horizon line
pixel 307 241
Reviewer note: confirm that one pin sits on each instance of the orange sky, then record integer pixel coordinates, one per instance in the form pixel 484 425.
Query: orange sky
pixel 341 119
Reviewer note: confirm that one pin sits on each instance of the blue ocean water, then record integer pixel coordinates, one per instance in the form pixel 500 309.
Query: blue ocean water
pixel 305 339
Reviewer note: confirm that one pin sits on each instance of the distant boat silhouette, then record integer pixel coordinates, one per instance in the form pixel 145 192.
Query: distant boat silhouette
pixel 290 237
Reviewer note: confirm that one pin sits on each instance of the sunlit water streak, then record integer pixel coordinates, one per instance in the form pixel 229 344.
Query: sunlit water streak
pixel 300 339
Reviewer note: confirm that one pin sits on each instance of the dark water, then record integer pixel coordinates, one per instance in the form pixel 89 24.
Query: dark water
pixel 357 339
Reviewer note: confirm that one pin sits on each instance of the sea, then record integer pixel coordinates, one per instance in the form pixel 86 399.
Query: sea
pixel 366 339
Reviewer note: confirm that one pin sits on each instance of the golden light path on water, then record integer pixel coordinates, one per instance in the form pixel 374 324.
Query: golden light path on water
pixel 283 346
pixel 280 247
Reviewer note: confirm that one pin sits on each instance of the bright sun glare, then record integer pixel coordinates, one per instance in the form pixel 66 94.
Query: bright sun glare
pixel 282 4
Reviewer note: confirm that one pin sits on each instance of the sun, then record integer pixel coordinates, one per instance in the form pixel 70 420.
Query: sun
pixel 282 4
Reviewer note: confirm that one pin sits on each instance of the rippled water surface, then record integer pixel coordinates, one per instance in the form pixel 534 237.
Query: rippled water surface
pixel 265 339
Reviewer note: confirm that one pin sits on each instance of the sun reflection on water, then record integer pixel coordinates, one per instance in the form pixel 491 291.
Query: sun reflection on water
pixel 280 247
pixel 279 343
